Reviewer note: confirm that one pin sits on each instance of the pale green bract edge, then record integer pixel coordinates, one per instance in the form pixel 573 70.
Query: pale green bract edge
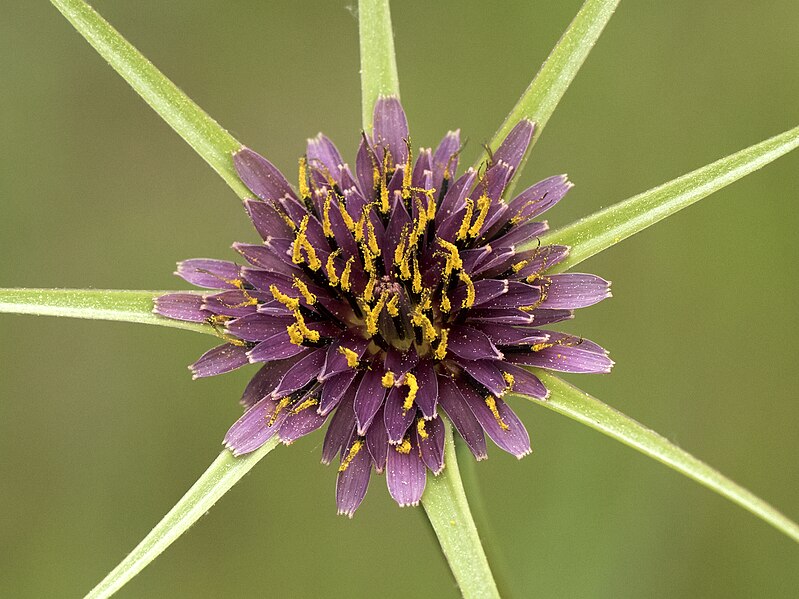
pixel 201 132
pixel 94 304
pixel 582 407
pixel 445 504
pixel 223 473
pixel 541 97
pixel 378 63
pixel 603 229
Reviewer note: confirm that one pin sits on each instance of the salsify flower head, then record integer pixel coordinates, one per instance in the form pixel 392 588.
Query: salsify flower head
pixel 381 299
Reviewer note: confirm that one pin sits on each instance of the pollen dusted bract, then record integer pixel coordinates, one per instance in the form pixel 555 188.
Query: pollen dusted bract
pixel 381 300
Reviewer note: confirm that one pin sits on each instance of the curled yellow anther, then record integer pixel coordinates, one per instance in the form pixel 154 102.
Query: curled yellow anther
pixel 352 358
pixel 467 220
pixel 491 402
pixel 441 349
pixel 354 449
pixel 404 447
pixel 468 301
pixel 306 293
pixel 388 379
pixel 279 408
pixel 423 434
pixel 409 380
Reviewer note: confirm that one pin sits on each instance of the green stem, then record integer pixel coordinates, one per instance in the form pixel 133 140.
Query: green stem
pixel 223 473
pixel 93 304
pixel 558 71
pixel 603 229
pixel 445 504
pixel 202 133
pixel 378 63
pixel 578 405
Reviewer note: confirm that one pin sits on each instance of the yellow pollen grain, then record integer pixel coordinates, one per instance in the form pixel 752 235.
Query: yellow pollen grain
pixel 356 447
pixel 407 175
pixel 305 191
pixel 369 290
pixel 491 402
pixel 483 204
pixel 345 275
pixel 468 301
pixel 330 267
pixel 306 293
pixel 417 276
pixel 345 216
pixel 279 408
pixel 509 379
pixel 467 220
pixel 431 207
pixel 352 358
pixel 384 205
pixel 413 388
pixel 300 240
pixel 404 447
pixel 399 251
pixel 441 349
pixel 292 303
pixel 423 434
pixel 372 238
pixel 388 379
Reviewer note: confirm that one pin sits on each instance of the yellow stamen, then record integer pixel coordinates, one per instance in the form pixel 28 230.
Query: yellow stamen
pixel 467 220
pixel 468 301
pixel 345 276
pixel 308 403
pixel 413 388
pixel 417 276
pixel 431 207
pixel 345 216
pixel 306 293
pixel 454 261
pixel 356 447
pixel 373 314
pixel 419 319
pixel 279 408
pixel 352 358
pixel 305 192
pixel 371 237
pixel 404 447
pixel 491 402
pixel 510 379
pixel 483 204
pixel 446 306
pixel 330 267
pixel 307 333
pixel 399 252
pixel 392 306
pixel 423 434
pixel 295 335
pixel 327 227
pixel 441 350
pixel 292 303
pixel 388 379
pixel 519 265
pixel 299 241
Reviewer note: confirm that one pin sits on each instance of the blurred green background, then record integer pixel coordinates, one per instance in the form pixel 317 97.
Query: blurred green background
pixel 102 430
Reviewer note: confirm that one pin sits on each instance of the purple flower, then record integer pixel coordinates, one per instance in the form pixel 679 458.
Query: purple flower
pixel 381 299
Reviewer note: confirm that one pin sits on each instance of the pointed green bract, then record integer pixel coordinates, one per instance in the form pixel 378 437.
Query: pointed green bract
pixel 202 133
pixel 603 229
pixel 378 63
pixel 578 405
pixel 445 504
pixel 223 473
pixel 93 304
pixel 556 74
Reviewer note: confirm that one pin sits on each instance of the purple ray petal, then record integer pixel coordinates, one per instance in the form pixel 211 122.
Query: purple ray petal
pixel 221 359
pixel 377 441
pixel 303 372
pixel 334 389
pixel 515 144
pixel 341 428
pixel 539 198
pixel 427 396
pixel 445 158
pixel 564 358
pixel 401 362
pixel 267 220
pixel 406 474
pixel 335 361
pixel 487 373
pixel 506 431
pixel 257 327
pixel 236 302
pixel 364 165
pixel 502 334
pixel 322 153
pixel 262 256
pixel 261 176
pixel 512 316
pixel 369 398
pixel 397 419
pixel 209 273
pixel 525 382
pixel 301 421
pixel 543 258
pixel 469 343
pixel 451 400
pixel 574 290
pixel 277 347
pixel 181 306
pixel 543 317
pixel 485 290
pixel 265 381
pixel 390 130
pixel 254 428
pixel 432 447
pixel 452 203
pixel 352 483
